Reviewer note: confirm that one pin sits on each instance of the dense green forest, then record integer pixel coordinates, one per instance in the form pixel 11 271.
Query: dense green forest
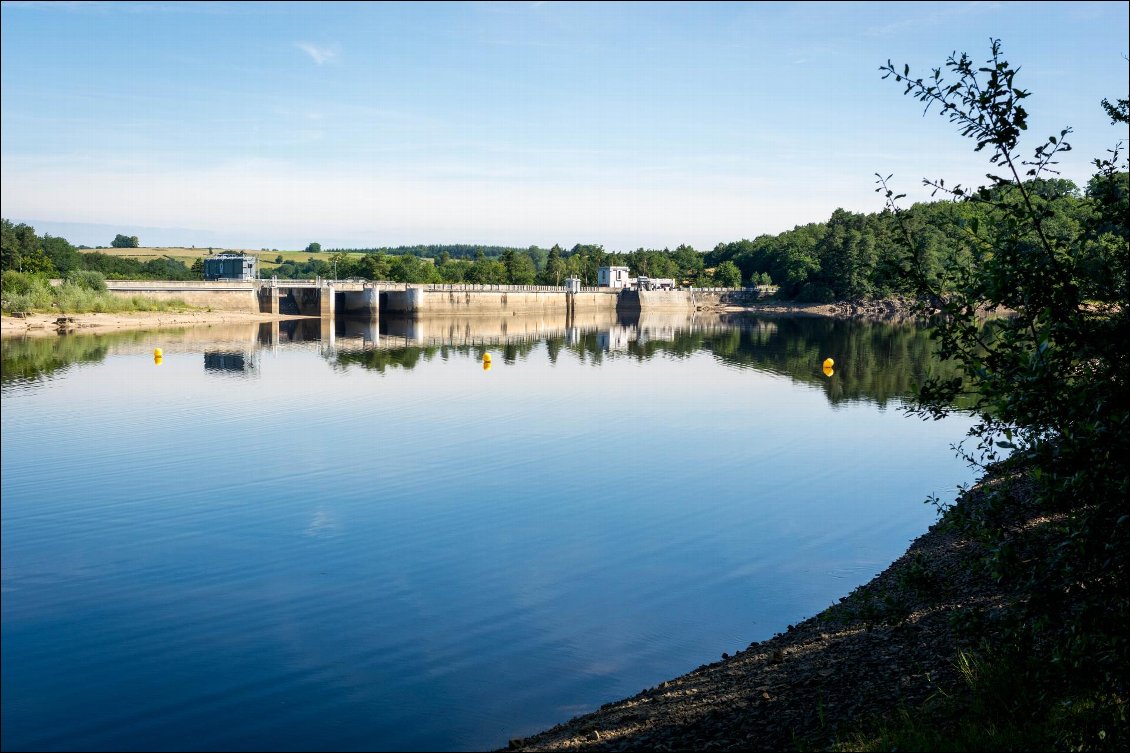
pixel 859 256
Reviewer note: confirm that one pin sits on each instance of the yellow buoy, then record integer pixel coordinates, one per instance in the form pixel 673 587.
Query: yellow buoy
pixel 829 371
pixel 157 353
pixel 829 363
pixel 486 361
pixel 157 360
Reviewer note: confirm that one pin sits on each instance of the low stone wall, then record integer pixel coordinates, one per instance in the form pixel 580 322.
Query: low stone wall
pixel 221 296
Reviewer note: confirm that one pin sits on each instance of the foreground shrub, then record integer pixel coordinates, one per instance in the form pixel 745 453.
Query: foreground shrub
pixel 83 292
pixel 88 279
pixel 25 292
pixel 1050 382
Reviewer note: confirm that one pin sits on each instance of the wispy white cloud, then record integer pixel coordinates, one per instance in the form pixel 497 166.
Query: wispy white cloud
pixel 320 54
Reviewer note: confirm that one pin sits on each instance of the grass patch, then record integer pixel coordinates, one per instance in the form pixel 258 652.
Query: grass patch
pixel 84 293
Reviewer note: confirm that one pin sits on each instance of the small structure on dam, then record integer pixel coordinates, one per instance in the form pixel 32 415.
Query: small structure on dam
pixel 231 267
pixel 612 277
pixel 653 283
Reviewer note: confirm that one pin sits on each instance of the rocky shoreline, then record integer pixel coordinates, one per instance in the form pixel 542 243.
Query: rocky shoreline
pixel 889 645
pixel 884 309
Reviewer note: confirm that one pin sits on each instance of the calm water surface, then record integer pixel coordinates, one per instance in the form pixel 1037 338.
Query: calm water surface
pixel 356 537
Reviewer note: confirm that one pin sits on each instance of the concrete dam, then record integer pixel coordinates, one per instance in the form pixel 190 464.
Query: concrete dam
pixel 327 298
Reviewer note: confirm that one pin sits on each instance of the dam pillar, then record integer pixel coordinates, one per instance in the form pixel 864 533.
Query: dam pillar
pixel 269 300
pixel 326 301
pixel 364 302
pixel 415 299
pixel 408 301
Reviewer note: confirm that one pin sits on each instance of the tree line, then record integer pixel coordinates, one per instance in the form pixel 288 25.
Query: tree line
pixel 849 257
pixel 863 256
pixel 46 255
pixel 498 265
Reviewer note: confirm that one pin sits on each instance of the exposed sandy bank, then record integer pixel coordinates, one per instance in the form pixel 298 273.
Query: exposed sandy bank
pixel 41 325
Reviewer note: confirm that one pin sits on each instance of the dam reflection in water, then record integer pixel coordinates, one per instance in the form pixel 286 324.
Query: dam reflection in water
pixel 391 331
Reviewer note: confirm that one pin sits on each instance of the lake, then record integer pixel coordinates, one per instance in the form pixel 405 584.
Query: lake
pixel 352 535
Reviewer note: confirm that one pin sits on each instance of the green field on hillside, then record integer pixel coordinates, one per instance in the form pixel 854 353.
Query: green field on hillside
pixel 267 259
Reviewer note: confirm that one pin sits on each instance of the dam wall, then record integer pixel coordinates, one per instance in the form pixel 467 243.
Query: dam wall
pixel 327 298
pixel 493 300
pixel 708 298
pixel 227 295
pixel 656 300
pixel 685 299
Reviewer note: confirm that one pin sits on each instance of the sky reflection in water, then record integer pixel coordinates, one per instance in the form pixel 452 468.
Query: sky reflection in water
pixel 358 538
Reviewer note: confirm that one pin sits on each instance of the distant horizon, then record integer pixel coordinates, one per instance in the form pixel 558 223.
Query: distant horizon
pixel 512 124
pixel 67 230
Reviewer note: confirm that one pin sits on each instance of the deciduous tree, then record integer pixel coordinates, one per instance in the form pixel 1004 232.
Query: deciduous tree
pixel 1050 381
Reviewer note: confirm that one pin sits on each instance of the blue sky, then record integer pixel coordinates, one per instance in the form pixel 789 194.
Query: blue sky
pixel 641 124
